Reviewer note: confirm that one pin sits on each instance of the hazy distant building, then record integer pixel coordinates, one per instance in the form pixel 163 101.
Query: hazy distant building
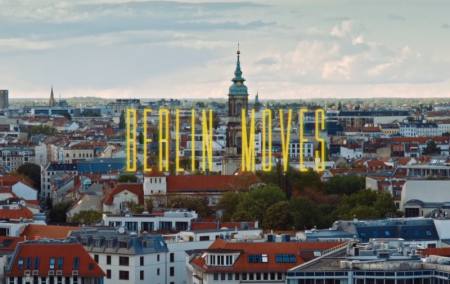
pixel 4 101
pixel 52 102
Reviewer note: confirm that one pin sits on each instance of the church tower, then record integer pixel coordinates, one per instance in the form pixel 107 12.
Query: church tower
pixel 52 102
pixel 237 100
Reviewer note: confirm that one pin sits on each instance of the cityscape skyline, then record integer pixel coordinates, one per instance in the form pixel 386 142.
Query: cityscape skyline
pixel 178 49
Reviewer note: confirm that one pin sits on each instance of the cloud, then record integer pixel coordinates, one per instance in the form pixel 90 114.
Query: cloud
pixel 347 57
pixel 395 17
pixel 445 26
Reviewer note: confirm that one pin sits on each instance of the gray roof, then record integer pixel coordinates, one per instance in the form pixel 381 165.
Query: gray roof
pixel 110 240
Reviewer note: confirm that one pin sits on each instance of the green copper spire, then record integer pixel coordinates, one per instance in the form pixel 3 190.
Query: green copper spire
pixel 238 88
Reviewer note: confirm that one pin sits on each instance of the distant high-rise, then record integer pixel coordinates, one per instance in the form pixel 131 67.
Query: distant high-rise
pixel 4 100
pixel 52 101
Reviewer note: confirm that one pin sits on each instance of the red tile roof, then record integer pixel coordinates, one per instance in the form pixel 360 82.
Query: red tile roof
pixel 16 214
pixel 46 250
pixel 35 231
pixel 212 225
pixel 8 244
pixel 304 251
pixel 204 183
pixel 9 180
pixel 436 251
pixel 135 188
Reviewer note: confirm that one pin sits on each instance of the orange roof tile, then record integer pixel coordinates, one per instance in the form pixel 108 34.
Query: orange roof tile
pixel 45 251
pixel 16 214
pixel 202 183
pixel 303 251
pixel 35 232
pixel 135 188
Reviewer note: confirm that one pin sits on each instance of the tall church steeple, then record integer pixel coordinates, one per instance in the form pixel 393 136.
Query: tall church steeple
pixel 238 88
pixel 52 102
pixel 237 101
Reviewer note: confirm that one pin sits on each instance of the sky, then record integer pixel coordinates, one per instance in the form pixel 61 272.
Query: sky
pixel 290 49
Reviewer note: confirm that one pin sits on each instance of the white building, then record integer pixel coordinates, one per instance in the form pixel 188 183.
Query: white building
pixel 126 257
pixel 178 220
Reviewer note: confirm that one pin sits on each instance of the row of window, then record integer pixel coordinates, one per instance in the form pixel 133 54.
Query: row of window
pixel 266 276
pixel 125 275
pixel 125 261
pixel 54 263
pixel 220 260
pixel 43 280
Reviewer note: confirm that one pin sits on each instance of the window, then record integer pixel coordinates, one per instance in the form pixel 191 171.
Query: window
pixel 212 259
pixel 141 260
pixel 256 258
pixel 108 273
pixel 36 262
pixel 230 276
pixel 157 257
pixel 60 262
pixel 28 263
pixel 216 276
pixel 280 275
pixel 43 280
pixel 75 280
pixel 96 257
pixel 141 275
pixel 108 259
pixel 157 271
pixel 172 257
pixel 285 258
pixel 76 263
pixel 52 263
pixel 11 280
pixel 124 275
pixel 124 261
pixel 59 280
pixel 67 280
pixel 20 263
pixel 272 276
pixel 222 276
pixel 236 276
pixel 172 271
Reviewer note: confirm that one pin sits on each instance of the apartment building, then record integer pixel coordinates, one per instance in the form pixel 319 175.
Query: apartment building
pixel 126 257
pixel 258 262
pixel 52 262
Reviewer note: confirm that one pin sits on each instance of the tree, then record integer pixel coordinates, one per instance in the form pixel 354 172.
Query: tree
pixel 366 204
pixel 41 129
pixel 199 205
pixel 432 148
pixel 345 184
pixel 127 178
pixel 228 204
pixel 134 207
pixel 58 212
pixel 254 203
pixel 149 205
pixel 87 217
pixel 305 213
pixel 277 216
pixel 32 172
